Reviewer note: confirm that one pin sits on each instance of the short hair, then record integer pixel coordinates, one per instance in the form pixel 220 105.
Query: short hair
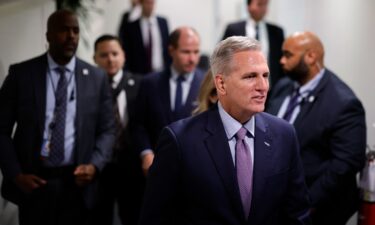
pixel 55 16
pixel 175 36
pixel 248 2
pixel 221 58
pixel 106 37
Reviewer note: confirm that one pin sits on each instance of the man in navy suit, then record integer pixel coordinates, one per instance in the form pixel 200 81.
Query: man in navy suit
pixel 121 179
pixel 61 107
pixel 169 95
pixel 270 36
pixel 232 164
pixel 145 41
pixel 330 124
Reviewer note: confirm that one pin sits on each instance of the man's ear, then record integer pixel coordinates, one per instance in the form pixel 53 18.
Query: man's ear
pixel 219 80
pixel 310 57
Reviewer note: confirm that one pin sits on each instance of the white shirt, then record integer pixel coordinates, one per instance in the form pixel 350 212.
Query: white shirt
pixel 52 79
pixel 262 34
pixel 185 86
pixel 231 127
pixel 304 92
pixel 157 50
pixel 121 98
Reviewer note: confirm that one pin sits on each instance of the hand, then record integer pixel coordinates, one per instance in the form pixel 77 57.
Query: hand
pixel 84 174
pixel 146 162
pixel 29 182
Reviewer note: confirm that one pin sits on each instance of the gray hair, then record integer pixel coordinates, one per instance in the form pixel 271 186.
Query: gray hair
pixel 221 58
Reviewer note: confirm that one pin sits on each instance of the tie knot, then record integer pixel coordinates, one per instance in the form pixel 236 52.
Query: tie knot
pixel 180 78
pixel 61 70
pixel 241 133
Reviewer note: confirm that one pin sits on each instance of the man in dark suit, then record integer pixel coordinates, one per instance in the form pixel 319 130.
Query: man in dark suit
pixel 64 130
pixel 130 16
pixel 145 41
pixel 270 36
pixel 232 164
pixel 169 95
pixel 330 124
pixel 121 179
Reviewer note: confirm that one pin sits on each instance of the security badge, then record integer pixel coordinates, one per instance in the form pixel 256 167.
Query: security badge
pixel 46 143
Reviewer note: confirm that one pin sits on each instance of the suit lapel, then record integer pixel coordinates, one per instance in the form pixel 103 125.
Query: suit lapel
pixel 165 98
pixel 81 74
pixel 311 99
pixel 219 151
pixel 242 28
pixel 262 155
pixel 40 76
pixel 192 96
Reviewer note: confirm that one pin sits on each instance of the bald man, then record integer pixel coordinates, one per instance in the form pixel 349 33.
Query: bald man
pixel 169 95
pixel 330 124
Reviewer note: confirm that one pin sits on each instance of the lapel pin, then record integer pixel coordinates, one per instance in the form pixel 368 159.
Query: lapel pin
pixel 85 72
pixel 311 98
pixel 131 82
pixel 266 143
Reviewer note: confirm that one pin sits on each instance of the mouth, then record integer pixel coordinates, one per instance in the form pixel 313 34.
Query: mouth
pixel 259 98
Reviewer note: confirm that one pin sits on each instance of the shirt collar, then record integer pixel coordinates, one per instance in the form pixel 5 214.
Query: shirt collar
pixel 151 19
pixel 117 78
pixel 250 21
pixel 175 74
pixel 70 66
pixel 311 85
pixel 232 126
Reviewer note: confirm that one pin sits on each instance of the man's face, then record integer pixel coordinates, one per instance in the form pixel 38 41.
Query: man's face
pixel 63 37
pixel 245 88
pixel 258 9
pixel 292 61
pixel 109 56
pixel 186 56
pixel 147 7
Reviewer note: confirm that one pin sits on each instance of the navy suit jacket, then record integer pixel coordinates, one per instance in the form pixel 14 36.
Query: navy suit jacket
pixel 23 102
pixel 276 39
pixel 193 178
pixel 332 134
pixel 154 108
pixel 132 41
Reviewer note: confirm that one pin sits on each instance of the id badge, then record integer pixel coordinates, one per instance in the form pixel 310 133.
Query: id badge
pixel 45 148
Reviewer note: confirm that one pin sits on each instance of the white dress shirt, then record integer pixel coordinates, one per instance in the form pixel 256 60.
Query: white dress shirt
pixel 157 49
pixel 121 98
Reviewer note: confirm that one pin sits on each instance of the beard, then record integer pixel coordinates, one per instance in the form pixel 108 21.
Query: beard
pixel 299 72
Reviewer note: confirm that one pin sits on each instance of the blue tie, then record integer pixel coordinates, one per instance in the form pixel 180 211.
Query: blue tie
pixel 293 103
pixel 178 100
pixel 244 170
pixel 57 144
pixel 257 32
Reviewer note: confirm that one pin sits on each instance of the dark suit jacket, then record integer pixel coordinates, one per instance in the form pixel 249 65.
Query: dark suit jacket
pixel 276 39
pixel 130 84
pixel 132 41
pixel 193 179
pixel 23 101
pixel 332 133
pixel 154 108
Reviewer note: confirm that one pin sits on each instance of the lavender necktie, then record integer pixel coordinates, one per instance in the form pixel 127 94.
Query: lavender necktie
pixel 58 125
pixel 244 170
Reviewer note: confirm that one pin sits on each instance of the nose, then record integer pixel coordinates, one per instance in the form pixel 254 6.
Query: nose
pixel 262 84
pixel 282 60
